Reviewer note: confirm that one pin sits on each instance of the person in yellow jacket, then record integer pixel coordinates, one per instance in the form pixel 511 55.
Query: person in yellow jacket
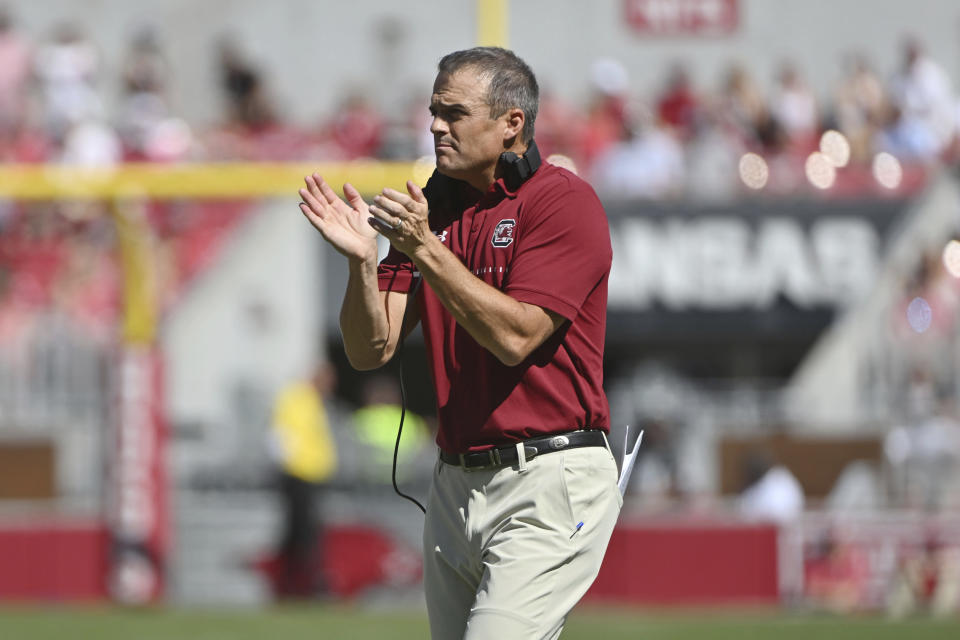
pixel 304 449
pixel 376 425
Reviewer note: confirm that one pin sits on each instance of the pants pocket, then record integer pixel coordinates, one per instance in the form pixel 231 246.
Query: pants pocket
pixel 590 481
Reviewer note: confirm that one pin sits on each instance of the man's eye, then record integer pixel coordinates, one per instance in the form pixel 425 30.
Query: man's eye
pixel 448 115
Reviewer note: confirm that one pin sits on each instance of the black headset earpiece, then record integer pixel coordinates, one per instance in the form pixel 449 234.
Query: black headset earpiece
pixel 516 169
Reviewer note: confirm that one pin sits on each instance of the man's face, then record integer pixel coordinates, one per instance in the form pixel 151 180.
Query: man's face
pixel 467 141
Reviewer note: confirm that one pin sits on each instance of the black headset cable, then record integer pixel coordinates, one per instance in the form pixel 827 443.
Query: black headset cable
pixel 403 399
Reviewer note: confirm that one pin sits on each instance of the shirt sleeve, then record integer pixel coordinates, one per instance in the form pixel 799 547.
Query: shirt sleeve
pixel 563 249
pixel 395 272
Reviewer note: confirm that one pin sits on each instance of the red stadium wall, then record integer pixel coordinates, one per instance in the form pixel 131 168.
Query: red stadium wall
pixel 703 564
pixel 689 564
pixel 53 561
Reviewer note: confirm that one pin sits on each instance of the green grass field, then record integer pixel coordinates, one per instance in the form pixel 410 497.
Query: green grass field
pixel 321 622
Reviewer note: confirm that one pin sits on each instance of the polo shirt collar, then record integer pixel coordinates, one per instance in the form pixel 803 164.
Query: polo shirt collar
pixel 500 186
pixel 499 189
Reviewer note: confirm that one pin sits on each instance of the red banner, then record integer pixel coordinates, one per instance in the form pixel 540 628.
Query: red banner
pixel 140 522
pixel 682 17
pixel 690 564
pixel 53 559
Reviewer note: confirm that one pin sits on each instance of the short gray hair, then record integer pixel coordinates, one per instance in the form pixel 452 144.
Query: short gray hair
pixel 512 83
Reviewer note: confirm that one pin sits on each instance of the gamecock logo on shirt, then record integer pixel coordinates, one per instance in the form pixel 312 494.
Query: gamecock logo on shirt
pixel 503 234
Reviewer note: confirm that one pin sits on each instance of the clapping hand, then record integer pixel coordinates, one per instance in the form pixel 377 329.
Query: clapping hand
pixel 343 224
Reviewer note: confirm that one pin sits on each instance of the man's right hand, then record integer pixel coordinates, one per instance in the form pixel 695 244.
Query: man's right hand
pixel 341 224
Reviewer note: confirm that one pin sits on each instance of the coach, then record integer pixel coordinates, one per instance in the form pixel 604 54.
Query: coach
pixel 514 256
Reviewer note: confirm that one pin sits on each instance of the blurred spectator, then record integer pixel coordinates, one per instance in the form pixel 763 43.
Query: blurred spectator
pixel 794 108
pixel 357 128
pixel 771 492
pixel 14 73
pixel 144 106
pixel 376 424
pixel 711 158
pixel 406 131
pixel 303 447
pixel 248 107
pixel 407 135
pixel 87 285
pixel 606 118
pixel 908 138
pixel 91 143
pixel 145 67
pixel 927 579
pixel 420 120
pixel 28 143
pixel 34 252
pixel 646 163
pixel 559 126
pixel 924 453
pixel 67 67
pixel 932 286
pixel 836 574
pixel 924 99
pixel 742 106
pixel 860 105
pixel 677 105
pixel 857 489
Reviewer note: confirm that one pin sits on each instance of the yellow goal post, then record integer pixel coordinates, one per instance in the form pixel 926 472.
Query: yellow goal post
pixel 125 185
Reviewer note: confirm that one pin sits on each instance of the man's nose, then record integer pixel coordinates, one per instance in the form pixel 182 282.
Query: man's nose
pixel 438 126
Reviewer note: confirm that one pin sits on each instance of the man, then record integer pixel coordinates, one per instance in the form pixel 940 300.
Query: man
pixel 303 447
pixel 514 258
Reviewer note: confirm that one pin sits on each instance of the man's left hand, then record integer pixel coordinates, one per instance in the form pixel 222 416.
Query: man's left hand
pixel 402 218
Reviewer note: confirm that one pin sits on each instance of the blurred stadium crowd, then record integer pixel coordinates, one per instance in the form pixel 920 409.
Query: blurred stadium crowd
pixel 679 141
pixel 885 130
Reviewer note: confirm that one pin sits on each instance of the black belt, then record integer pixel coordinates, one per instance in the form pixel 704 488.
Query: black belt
pixel 507 455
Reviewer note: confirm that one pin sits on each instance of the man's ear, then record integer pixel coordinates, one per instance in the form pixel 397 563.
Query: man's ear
pixel 514 119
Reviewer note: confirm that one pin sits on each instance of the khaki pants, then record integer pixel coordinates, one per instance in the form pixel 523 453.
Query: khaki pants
pixel 503 557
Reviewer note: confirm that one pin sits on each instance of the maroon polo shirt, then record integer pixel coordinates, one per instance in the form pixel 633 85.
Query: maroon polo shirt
pixel 548 244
